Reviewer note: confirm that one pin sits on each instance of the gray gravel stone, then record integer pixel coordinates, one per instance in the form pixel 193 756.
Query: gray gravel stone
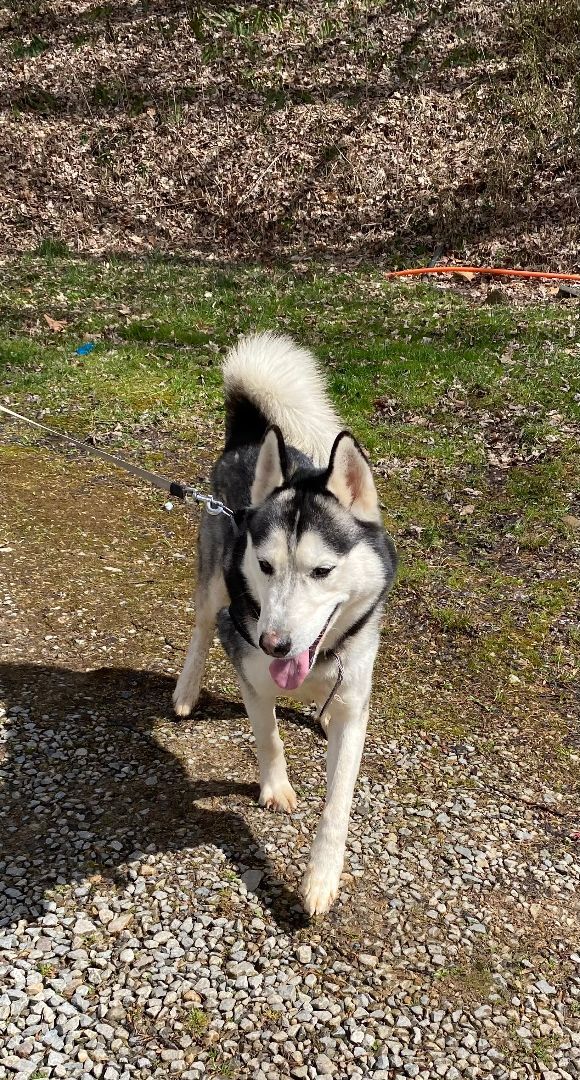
pixel 252 879
pixel 84 926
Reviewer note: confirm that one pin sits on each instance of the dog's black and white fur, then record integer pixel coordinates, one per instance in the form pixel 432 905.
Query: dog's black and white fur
pixel 305 574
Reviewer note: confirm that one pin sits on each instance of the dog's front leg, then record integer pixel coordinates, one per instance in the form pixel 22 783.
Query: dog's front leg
pixel 346 736
pixel 209 600
pixel 276 791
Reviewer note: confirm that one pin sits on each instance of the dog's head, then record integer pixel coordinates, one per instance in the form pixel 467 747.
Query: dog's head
pixel 314 554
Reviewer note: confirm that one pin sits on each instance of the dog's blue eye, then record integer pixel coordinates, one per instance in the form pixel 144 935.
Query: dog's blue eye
pixel 266 567
pixel 321 571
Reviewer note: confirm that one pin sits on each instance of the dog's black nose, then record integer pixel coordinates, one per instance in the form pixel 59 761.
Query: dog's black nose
pixel 274 645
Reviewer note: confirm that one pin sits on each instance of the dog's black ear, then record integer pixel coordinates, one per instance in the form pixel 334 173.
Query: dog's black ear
pixel 271 466
pixel 350 480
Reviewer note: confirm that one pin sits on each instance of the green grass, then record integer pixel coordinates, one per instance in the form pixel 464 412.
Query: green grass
pixel 28 47
pixel 52 248
pixel 46 970
pixel 221 1067
pixel 471 982
pixel 416 374
pixel 455 621
pixel 196 1022
pixel 376 340
pixel 543 1049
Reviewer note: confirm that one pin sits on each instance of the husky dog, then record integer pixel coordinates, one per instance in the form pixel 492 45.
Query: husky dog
pixel 304 567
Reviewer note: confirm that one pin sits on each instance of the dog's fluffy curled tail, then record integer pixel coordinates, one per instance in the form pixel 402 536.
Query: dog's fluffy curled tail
pixel 269 379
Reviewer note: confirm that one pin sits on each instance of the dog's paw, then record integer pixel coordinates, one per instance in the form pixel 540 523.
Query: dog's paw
pixel 184 699
pixel 319 889
pixel 280 797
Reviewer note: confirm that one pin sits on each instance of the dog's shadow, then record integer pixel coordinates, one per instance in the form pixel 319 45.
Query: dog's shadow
pixel 86 783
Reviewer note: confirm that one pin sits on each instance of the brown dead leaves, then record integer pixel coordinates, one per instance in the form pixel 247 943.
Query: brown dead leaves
pixel 56 325
pixel 298 129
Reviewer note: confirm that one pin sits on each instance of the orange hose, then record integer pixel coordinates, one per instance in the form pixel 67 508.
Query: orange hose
pixel 493 271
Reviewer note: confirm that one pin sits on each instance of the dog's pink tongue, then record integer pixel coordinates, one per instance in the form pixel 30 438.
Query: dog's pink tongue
pixel 288 674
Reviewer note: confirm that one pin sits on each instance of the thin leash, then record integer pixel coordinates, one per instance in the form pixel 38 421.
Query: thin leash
pixel 185 492
pixel 336 686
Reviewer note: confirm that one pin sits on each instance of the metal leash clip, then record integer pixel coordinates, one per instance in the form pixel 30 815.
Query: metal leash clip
pixel 214 507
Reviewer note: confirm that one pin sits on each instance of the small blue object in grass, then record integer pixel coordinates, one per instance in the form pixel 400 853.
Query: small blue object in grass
pixel 86 348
